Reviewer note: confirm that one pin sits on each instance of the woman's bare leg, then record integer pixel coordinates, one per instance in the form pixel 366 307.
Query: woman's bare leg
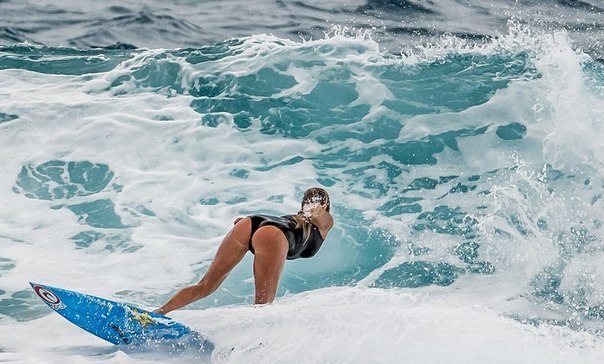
pixel 270 249
pixel 229 253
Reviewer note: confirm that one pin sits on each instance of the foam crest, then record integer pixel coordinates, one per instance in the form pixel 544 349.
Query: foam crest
pixel 421 328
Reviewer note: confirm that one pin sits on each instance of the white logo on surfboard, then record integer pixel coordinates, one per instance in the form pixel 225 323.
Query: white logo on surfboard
pixel 49 297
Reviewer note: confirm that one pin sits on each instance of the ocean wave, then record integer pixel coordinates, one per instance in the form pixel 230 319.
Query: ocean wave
pixel 458 169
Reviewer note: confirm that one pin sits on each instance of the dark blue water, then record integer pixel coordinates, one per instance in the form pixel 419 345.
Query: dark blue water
pixel 394 23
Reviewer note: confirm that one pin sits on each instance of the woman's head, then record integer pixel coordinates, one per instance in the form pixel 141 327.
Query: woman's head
pixel 316 195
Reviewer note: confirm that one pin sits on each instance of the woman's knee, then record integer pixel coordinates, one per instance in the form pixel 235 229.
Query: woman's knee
pixel 205 287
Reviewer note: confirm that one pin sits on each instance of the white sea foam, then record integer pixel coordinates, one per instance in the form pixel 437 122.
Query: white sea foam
pixel 340 325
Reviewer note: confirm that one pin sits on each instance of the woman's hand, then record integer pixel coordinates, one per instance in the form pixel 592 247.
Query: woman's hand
pixel 321 218
pixel 317 211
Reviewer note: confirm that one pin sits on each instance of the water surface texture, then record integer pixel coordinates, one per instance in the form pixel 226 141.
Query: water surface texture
pixel 461 143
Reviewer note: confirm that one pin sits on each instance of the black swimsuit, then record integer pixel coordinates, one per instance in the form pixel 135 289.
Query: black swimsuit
pixel 298 248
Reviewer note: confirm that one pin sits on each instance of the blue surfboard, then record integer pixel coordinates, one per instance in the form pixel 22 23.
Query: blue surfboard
pixel 116 322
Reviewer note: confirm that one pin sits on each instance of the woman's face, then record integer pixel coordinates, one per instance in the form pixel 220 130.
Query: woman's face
pixel 311 203
pixel 313 197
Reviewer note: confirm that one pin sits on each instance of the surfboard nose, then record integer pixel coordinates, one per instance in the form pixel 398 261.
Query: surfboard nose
pixel 34 285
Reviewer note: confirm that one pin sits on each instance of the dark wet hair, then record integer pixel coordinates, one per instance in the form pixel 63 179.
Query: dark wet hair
pixel 316 193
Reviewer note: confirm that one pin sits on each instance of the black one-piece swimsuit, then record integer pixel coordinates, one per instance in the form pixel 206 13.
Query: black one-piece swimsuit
pixel 298 247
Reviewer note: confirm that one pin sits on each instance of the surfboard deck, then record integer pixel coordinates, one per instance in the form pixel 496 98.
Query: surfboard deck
pixel 116 322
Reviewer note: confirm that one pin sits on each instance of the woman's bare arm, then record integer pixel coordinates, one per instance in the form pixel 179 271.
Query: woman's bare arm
pixel 321 218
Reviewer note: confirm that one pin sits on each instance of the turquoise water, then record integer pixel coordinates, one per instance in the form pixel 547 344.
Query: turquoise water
pixel 466 183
